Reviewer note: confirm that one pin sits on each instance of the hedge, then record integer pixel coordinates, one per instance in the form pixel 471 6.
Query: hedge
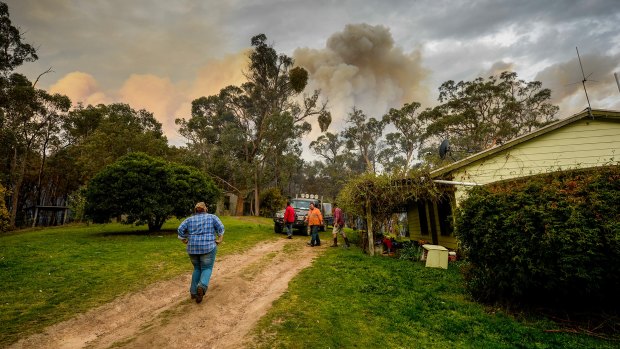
pixel 551 239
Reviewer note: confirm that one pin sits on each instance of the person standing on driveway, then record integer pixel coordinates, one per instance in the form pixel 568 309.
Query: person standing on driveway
pixel 339 227
pixel 314 219
pixel 201 232
pixel 289 219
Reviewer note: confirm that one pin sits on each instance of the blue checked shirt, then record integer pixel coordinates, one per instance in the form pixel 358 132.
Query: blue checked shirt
pixel 201 230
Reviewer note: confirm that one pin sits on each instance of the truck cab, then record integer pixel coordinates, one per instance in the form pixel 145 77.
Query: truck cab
pixel 301 205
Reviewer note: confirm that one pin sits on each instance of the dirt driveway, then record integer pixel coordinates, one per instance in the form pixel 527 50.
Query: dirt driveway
pixel 242 289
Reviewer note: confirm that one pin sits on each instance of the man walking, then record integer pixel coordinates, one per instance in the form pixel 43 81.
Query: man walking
pixel 314 219
pixel 201 232
pixel 289 219
pixel 339 227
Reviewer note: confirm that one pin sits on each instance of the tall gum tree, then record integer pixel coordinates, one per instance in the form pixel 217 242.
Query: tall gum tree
pixel 258 120
pixel 363 135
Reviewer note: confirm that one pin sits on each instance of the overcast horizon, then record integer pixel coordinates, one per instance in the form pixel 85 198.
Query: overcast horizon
pixel 160 55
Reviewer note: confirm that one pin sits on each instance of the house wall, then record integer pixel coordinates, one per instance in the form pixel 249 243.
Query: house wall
pixel 585 143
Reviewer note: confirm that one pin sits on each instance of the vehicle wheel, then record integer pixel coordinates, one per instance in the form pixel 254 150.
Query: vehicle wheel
pixel 277 228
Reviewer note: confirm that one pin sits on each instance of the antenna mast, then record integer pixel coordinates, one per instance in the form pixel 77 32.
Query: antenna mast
pixel 583 82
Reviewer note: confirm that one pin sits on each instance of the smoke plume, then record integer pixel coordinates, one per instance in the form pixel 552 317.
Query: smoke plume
pixel 362 67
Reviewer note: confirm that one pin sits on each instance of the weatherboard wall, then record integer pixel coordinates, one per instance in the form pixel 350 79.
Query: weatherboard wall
pixel 582 144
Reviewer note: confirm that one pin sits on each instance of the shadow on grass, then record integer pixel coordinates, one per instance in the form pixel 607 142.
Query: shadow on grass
pixel 163 232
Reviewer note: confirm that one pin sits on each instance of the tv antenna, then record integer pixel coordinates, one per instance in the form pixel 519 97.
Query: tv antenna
pixel 583 82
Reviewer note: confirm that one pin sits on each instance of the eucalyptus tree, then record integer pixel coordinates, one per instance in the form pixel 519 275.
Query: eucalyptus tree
pixel 404 145
pixel 29 124
pixel 263 112
pixel 363 135
pixel 475 115
pixel 328 146
pixel 13 52
pixel 115 130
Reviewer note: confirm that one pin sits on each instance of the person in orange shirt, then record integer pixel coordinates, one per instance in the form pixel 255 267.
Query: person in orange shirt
pixel 314 219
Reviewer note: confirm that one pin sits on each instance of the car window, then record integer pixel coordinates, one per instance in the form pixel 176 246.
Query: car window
pixel 327 207
pixel 303 205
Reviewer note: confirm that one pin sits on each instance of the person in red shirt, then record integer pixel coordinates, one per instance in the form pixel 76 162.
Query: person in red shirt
pixel 339 226
pixel 289 219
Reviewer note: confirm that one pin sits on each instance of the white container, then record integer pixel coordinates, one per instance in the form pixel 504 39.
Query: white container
pixel 436 257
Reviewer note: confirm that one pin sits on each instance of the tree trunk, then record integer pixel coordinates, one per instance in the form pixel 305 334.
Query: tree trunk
pixel 371 240
pixel 256 192
pixel 16 187
pixel 240 200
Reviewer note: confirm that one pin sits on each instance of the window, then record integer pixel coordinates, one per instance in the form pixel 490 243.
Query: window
pixel 445 217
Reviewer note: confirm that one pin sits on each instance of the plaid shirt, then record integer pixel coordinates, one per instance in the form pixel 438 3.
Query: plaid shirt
pixel 201 230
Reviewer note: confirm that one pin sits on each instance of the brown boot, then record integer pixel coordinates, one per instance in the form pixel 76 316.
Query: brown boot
pixel 335 243
pixel 346 242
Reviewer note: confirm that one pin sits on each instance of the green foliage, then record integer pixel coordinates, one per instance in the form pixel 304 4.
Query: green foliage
pixel 386 193
pixel 271 200
pixel 411 251
pixel 248 132
pixel 147 190
pixel 550 238
pixel 476 114
pixel 14 52
pixel 298 77
pixel 77 203
pixel 349 300
pixel 403 144
pixel 363 135
pixel 103 133
pixel 4 213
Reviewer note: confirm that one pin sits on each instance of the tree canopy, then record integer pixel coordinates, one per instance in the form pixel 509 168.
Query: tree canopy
pixel 146 190
pixel 248 131
pixel 475 115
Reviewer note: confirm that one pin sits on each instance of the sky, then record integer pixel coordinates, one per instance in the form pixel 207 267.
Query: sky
pixel 372 54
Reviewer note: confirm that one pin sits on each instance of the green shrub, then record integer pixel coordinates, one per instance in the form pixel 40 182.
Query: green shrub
pixel 4 213
pixel 147 190
pixel 553 239
pixel 271 200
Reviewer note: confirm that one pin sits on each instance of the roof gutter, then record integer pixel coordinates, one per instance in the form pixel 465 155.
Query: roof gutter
pixel 455 183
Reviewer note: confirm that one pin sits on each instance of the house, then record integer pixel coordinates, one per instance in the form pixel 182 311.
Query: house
pixel 587 139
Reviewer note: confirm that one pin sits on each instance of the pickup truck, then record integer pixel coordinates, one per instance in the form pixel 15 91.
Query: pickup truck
pixel 301 206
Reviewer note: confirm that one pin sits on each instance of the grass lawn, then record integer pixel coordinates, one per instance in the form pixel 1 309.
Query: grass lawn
pixel 344 300
pixel 351 300
pixel 49 275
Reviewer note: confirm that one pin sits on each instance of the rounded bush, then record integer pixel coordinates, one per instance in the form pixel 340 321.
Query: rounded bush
pixel 551 239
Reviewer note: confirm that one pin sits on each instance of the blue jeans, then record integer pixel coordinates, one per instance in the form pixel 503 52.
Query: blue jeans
pixel 203 267
pixel 289 229
pixel 314 239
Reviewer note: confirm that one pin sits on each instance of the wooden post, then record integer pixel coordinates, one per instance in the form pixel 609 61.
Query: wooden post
pixel 371 241
pixel 36 216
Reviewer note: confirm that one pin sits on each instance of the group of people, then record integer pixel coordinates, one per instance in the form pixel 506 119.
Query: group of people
pixel 203 232
pixel 315 220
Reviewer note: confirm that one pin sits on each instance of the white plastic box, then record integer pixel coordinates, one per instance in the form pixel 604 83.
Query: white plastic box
pixel 436 256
